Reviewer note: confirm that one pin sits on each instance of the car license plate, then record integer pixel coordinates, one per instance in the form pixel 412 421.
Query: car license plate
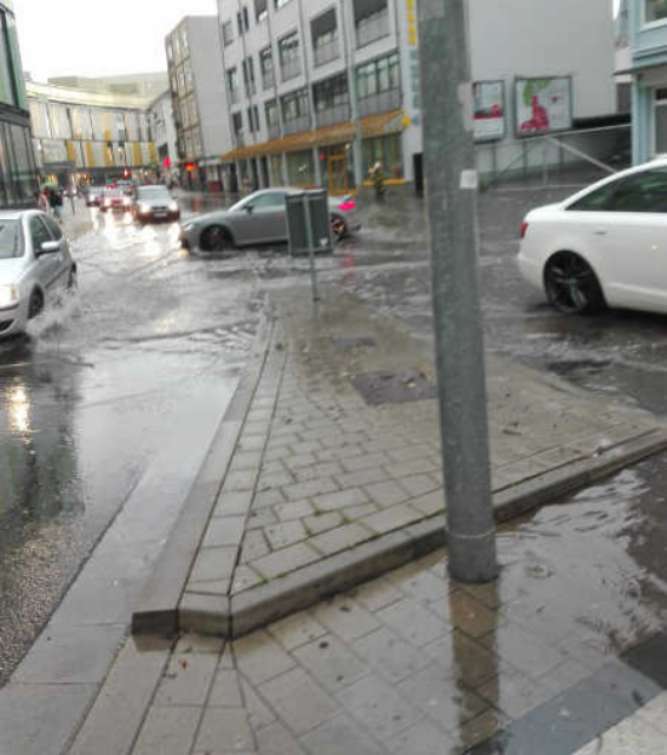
pixel 160 214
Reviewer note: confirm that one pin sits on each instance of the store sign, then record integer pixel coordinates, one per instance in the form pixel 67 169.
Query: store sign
pixel 489 100
pixel 543 105
pixel 414 95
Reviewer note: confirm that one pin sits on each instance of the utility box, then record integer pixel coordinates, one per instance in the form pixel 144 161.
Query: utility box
pixel 308 223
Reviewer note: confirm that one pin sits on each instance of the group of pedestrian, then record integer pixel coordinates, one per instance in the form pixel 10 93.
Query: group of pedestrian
pixel 50 200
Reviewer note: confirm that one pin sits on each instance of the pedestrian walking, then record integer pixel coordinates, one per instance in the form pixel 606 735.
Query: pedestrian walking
pixel 56 204
pixel 42 201
pixel 377 177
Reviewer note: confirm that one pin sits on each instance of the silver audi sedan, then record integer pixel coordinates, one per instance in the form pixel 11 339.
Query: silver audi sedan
pixel 260 218
pixel 36 267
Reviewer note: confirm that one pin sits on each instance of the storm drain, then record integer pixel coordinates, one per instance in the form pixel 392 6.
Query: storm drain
pixel 393 388
pixel 358 342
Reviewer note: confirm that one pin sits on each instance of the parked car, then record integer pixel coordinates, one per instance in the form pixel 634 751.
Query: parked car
pixel 604 246
pixel 154 203
pixel 93 196
pixel 36 267
pixel 114 198
pixel 259 218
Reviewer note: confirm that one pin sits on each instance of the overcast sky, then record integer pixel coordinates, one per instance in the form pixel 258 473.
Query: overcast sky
pixel 96 38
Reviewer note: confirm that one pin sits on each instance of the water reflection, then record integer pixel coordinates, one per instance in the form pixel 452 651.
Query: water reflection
pixel 18 409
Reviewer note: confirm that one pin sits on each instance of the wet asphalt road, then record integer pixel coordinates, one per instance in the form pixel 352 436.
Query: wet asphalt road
pixel 148 354
pixel 143 359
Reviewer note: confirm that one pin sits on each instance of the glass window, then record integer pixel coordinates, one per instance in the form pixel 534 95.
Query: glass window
pixel 243 21
pixel 661 128
pixel 6 84
pixel 272 114
pixel 55 230
pixel 288 52
pixel 10 239
pixel 233 85
pixel 237 122
pixel 253 118
pixel 279 3
pixel 385 150
pixel 655 10
pixel 249 76
pixel 227 33
pixel 270 201
pixel 596 200
pixel 39 233
pixel 331 92
pixel 261 10
pixel 643 192
pixel 266 65
pixel 16 65
pixel 301 168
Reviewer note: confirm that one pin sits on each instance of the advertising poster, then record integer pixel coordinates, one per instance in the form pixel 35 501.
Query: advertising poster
pixel 489 102
pixel 543 105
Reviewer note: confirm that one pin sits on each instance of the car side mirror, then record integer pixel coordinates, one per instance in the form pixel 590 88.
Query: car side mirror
pixel 249 209
pixel 49 247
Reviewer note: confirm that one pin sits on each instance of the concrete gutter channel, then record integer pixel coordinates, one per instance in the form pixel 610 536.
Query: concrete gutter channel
pixel 166 608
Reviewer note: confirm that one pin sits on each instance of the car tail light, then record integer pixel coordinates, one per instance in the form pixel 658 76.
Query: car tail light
pixel 348 204
pixel 523 229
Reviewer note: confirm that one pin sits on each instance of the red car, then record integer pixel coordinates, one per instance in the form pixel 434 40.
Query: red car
pixel 114 198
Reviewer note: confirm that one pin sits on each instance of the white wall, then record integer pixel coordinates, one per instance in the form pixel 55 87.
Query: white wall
pixel 206 60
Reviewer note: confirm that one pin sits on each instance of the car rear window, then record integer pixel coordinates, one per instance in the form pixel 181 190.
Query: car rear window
pixel 10 239
pixel 153 193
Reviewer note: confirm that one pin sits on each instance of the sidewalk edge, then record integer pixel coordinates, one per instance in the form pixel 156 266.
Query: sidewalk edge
pixel 157 609
pixel 262 605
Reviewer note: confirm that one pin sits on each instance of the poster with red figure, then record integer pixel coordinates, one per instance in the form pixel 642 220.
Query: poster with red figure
pixel 543 105
pixel 489 101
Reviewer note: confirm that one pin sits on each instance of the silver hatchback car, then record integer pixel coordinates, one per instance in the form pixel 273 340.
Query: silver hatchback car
pixel 36 267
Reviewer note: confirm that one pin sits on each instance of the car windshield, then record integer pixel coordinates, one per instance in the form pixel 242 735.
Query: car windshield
pixel 153 192
pixel 10 239
pixel 241 204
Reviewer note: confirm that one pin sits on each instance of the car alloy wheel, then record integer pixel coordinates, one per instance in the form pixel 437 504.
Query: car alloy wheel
pixel 216 239
pixel 571 285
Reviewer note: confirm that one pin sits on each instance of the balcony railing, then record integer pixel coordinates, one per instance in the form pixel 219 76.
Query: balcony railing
pixel 298 124
pixel 290 69
pixel 331 115
pixel 326 53
pixel 372 27
pixel 380 103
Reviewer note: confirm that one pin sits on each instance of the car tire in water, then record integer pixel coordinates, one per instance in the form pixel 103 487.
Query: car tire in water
pixel 338 227
pixel 36 304
pixel 72 281
pixel 571 285
pixel 216 239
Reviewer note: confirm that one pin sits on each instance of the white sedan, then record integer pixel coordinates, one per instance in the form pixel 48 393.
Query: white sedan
pixel 604 246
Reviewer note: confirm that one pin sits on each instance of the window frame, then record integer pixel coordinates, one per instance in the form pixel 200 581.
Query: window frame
pixel 646 24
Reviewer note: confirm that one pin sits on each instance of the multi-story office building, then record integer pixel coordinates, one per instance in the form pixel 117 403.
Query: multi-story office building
pixel 319 90
pixel 18 172
pixel 163 130
pixel 197 89
pixel 88 136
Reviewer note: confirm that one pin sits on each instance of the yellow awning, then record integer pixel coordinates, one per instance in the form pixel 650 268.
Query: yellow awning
pixel 371 126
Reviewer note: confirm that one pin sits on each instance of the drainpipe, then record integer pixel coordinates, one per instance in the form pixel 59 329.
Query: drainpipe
pixel 348 47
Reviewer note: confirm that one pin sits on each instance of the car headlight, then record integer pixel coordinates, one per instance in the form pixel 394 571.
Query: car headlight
pixel 143 207
pixel 127 201
pixel 173 207
pixel 9 296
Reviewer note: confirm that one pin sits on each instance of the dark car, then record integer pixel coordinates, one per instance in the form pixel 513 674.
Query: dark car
pixel 152 203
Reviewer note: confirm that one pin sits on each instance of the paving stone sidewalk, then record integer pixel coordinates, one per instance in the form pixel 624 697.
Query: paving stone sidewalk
pixel 318 471
pixel 544 661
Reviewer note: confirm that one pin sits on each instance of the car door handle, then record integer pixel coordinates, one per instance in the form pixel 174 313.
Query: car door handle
pixel 600 232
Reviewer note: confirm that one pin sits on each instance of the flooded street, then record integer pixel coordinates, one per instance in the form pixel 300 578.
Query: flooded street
pixel 134 372
pixel 133 375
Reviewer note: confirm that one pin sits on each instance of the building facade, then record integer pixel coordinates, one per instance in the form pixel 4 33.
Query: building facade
pixel 317 91
pixel 196 81
pixel 19 178
pixel 647 21
pixel 89 137
pixel 163 129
